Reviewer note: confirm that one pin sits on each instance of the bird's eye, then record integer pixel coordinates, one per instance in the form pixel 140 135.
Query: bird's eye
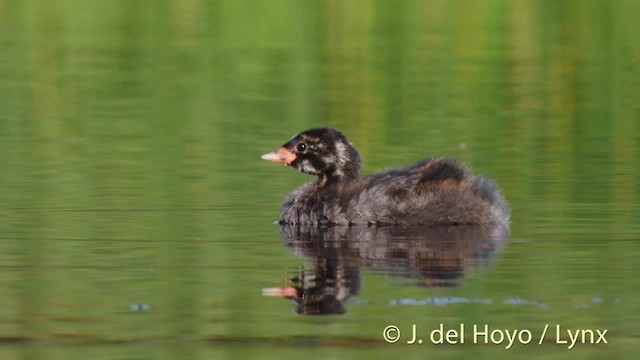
pixel 301 147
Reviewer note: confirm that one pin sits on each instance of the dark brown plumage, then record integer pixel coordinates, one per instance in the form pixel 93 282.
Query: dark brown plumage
pixel 432 191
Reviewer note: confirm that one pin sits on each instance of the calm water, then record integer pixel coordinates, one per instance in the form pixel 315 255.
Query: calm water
pixel 136 217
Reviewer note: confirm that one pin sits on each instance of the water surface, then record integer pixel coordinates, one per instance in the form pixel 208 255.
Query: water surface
pixel 136 217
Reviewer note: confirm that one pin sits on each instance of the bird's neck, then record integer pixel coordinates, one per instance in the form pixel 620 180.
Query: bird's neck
pixel 325 180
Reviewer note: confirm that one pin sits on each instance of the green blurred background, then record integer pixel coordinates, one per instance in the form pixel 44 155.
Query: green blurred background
pixel 130 136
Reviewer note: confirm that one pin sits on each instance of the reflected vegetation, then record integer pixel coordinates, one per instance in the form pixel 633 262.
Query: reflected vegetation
pixel 426 256
pixel 134 211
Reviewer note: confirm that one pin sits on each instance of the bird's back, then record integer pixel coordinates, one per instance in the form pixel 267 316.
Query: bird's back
pixel 431 191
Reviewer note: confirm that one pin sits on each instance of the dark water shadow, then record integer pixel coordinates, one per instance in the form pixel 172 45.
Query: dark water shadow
pixel 430 256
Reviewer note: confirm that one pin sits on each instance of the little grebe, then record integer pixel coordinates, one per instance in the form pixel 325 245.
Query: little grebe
pixel 432 191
